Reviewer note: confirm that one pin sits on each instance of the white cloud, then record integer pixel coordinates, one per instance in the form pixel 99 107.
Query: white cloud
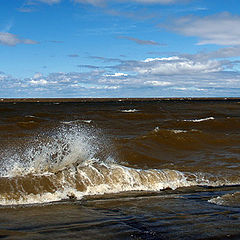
pixel 3 76
pixel 189 89
pixel 157 83
pixel 172 66
pixel 12 40
pixel 226 52
pixel 38 79
pixel 39 82
pixel 105 87
pixel 201 74
pixel 95 83
pixel 161 59
pixel 116 75
pixel 37 75
pixel 221 29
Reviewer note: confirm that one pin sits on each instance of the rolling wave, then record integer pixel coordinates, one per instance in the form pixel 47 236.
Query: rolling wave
pixel 73 162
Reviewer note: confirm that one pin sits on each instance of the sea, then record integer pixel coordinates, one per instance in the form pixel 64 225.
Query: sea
pixel 120 168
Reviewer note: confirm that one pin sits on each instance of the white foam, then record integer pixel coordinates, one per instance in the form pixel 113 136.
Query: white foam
pixel 129 110
pixel 176 131
pixel 43 197
pixel 87 121
pixel 101 179
pixel 31 116
pixel 199 120
pixel 76 121
pixel 217 200
pixel 156 129
pixel 229 199
pixel 98 178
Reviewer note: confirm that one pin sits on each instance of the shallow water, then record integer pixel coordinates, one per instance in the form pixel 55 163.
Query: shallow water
pixel 120 169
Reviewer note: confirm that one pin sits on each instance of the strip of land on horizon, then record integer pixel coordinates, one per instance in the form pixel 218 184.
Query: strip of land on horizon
pixel 116 99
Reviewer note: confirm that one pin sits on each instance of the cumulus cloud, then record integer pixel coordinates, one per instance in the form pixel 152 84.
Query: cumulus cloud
pixel 3 76
pixel 171 66
pixel 38 79
pixel 117 75
pixel 221 29
pixel 157 83
pixel 98 83
pixel 12 39
pixel 39 82
pixel 179 75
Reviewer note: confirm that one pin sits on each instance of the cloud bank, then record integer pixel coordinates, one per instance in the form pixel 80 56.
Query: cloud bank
pixel 176 76
pixel 175 65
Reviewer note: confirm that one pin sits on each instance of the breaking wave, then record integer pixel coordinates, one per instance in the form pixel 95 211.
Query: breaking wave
pixel 72 162
pixel 230 199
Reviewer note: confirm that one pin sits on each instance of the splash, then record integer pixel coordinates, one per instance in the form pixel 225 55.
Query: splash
pixel 52 152
pixel 72 162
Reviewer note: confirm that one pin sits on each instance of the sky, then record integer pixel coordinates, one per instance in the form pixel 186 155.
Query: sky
pixel 119 48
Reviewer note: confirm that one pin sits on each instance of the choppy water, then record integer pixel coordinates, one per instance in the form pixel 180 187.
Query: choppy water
pixel 120 169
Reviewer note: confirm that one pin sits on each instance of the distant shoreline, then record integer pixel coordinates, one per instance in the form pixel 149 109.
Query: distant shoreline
pixel 62 100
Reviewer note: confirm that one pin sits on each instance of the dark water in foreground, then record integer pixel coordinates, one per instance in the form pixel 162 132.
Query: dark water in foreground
pixel 120 170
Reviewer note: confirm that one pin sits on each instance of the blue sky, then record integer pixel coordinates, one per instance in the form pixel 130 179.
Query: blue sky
pixel 119 48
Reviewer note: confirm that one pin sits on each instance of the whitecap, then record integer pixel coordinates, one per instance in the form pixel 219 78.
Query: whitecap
pixel 76 121
pixel 230 199
pixel 199 120
pixel 129 110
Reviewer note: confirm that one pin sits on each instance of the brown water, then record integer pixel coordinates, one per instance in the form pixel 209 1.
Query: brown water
pixel 120 169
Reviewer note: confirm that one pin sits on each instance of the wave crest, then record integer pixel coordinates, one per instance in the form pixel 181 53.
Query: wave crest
pixel 74 161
